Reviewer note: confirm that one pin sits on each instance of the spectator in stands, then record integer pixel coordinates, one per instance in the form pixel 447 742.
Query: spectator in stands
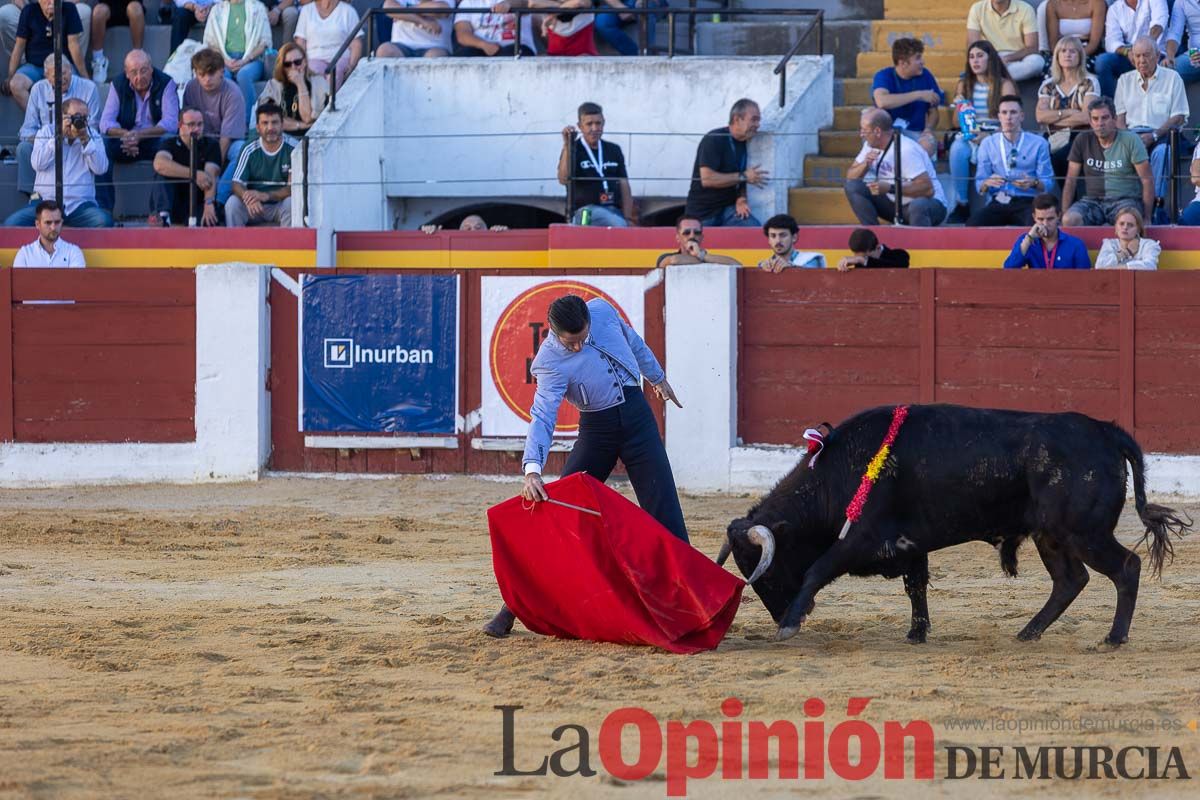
pixel 83 160
pixel 323 26
pixel 720 173
pixel 40 109
pixel 1130 250
pixel 142 107
pixel 910 93
pixel 1045 245
pixel 983 83
pixel 1185 17
pixel 594 172
pixel 569 33
pixel 1191 214
pixel 689 235
pixel 284 14
pixel 609 26
pixel 1150 102
pixel 485 28
pixel 1011 27
pixel 186 15
pixel 1115 168
pixel 870 180
pixel 262 193
pixel 1083 19
pixel 10 17
pixel 471 222
pixel 418 35
pixel 240 32
pixel 219 100
pixel 1125 22
pixel 781 231
pixel 175 193
pixel 117 14
pixel 869 253
pixel 1063 100
pixel 1014 166
pixel 49 249
pixel 301 95
pixel 34 41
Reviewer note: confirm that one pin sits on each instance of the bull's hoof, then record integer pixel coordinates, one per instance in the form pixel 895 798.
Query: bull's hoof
pixel 1112 643
pixel 788 631
pixel 916 636
pixel 501 625
pixel 1029 635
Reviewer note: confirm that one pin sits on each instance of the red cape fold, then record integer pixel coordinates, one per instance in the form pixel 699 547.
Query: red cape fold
pixel 617 577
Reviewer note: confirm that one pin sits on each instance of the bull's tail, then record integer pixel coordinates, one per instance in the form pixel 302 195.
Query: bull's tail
pixel 1160 521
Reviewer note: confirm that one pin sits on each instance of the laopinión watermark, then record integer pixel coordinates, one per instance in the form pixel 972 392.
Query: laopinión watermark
pixel 813 749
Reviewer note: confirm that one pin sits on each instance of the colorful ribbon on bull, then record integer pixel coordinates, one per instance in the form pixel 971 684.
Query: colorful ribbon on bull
pixel 855 509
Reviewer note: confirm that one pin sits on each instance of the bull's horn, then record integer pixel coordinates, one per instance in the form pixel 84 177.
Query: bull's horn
pixel 761 535
pixel 726 549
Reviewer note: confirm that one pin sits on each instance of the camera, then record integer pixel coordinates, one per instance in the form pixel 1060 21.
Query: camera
pixel 78 121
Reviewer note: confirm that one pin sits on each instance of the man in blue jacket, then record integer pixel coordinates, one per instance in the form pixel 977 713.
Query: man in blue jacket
pixel 1045 245
pixel 596 361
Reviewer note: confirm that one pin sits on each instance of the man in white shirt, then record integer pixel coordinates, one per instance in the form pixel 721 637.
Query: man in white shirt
pixel 1185 17
pixel 418 35
pixel 1150 102
pixel 484 28
pixel 83 160
pixel 870 180
pixel 41 106
pixel 48 250
pixel 1125 22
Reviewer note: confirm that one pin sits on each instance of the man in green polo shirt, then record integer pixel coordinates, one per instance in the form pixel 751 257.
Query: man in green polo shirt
pixel 262 193
pixel 1115 169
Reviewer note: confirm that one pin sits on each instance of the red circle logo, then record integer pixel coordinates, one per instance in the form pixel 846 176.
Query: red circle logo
pixel 515 341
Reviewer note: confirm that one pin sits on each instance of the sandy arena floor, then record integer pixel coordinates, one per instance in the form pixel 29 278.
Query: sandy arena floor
pixel 320 638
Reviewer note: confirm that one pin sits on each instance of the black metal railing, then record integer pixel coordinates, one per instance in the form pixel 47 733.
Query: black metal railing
pixel 366 27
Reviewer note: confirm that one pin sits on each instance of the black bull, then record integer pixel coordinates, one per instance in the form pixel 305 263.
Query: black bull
pixel 954 475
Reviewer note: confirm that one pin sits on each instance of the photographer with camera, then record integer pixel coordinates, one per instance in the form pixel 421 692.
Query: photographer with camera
pixel 1045 245
pixel 83 160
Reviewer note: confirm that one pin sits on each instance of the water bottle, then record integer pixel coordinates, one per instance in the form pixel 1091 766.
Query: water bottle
pixel 585 217
pixel 967 121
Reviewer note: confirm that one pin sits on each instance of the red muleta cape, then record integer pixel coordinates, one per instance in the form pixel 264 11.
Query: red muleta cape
pixel 617 577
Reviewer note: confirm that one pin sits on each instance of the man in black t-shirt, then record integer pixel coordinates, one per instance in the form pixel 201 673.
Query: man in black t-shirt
pixel 172 179
pixel 720 174
pixel 593 171
pixel 870 253
pixel 35 41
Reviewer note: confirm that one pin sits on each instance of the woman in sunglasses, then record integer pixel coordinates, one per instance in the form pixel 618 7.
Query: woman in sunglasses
pixel 301 96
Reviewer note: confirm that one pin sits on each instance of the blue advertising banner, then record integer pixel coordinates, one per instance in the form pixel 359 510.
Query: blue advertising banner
pixel 379 353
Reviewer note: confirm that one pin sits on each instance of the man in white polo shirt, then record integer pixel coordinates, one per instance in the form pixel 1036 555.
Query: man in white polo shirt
pixel 1011 27
pixel 48 250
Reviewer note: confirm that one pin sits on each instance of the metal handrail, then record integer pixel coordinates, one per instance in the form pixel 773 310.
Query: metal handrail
pixel 641 13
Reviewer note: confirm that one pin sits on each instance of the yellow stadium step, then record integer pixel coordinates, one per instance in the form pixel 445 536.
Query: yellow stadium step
pixel 825 170
pixel 857 91
pixel 820 206
pixel 940 62
pixel 948 35
pixel 840 143
pixel 941 10
pixel 845 118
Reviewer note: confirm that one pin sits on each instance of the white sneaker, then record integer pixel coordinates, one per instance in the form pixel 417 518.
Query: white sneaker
pixel 99 67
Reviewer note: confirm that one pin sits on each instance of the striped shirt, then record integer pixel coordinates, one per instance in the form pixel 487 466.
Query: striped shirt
pixel 264 171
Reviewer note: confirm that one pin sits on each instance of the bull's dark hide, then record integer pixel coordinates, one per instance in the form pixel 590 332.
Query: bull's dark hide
pixel 956 475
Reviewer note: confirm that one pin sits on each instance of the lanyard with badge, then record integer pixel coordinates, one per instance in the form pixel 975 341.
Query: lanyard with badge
pixel 1008 162
pixel 598 161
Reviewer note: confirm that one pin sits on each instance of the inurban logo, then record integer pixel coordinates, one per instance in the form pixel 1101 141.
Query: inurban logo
pixel 344 354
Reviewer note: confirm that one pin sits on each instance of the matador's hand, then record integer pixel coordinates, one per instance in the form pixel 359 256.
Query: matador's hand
pixel 664 390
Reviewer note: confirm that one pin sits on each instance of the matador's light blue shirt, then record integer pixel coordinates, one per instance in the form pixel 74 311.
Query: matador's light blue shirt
pixel 587 379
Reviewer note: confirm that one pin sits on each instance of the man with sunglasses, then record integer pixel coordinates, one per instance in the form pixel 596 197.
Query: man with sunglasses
pixel 689 234
pixel 594 360
pixel 1013 168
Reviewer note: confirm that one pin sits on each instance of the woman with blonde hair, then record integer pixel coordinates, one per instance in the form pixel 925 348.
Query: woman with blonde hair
pixel 1063 100
pixel 301 96
pixel 981 86
pixel 1130 250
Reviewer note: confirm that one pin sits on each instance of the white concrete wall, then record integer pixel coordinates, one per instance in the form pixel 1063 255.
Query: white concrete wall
pixel 233 435
pixel 483 128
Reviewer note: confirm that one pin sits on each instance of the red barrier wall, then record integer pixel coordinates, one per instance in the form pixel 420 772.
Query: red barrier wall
pixel 117 363
pixel 819 346
pixel 288 450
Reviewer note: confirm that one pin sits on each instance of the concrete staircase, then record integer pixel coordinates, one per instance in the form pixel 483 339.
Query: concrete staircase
pixel 942 25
